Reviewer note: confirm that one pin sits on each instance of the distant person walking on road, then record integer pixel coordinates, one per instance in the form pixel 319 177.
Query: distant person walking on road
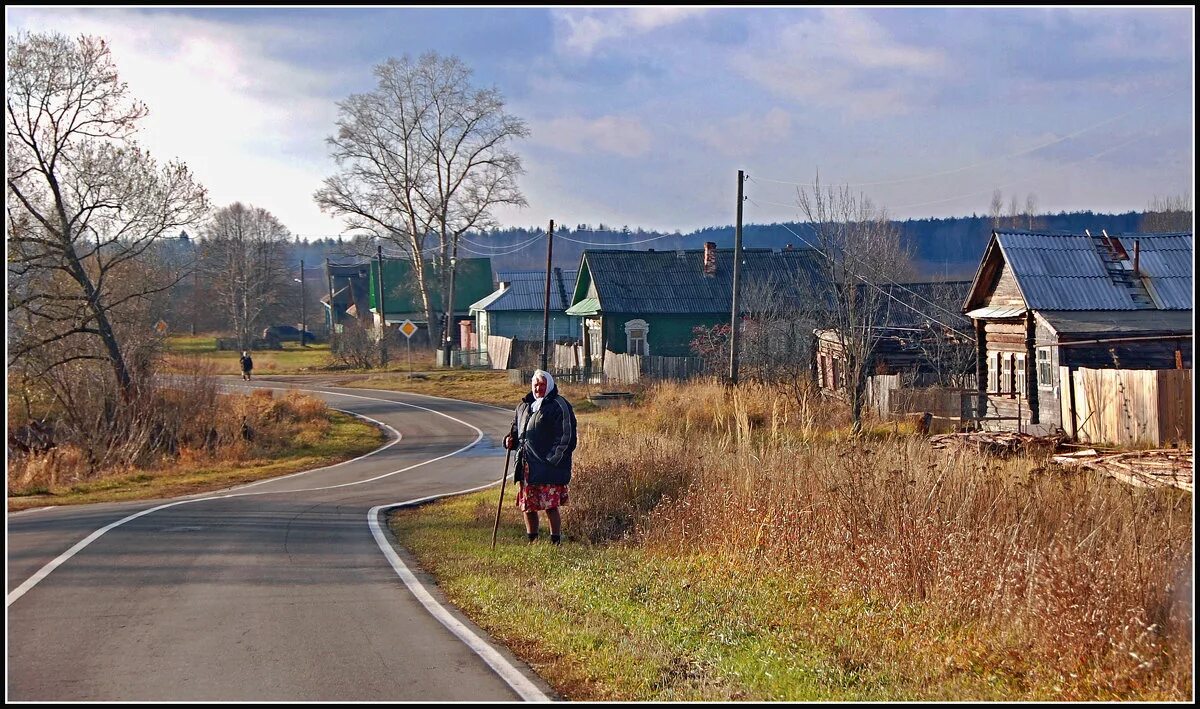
pixel 247 365
pixel 543 434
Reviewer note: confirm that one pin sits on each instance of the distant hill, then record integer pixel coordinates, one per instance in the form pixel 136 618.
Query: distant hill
pixel 951 246
pixel 940 247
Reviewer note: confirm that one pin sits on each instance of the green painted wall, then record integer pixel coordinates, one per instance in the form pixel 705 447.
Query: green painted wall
pixel 472 282
pixel 670 335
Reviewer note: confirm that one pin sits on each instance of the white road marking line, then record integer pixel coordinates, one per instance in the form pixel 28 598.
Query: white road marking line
pixel 502 667
pixel 521 684
pixel 35 509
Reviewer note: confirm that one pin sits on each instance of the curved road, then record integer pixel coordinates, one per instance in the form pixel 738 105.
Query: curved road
pixel 289 589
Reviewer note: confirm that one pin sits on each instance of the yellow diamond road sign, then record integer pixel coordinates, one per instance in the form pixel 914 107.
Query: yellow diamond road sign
pixel 408 328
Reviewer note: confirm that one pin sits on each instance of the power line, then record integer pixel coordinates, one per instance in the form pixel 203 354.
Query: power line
pixel 881 290
pixel 621 243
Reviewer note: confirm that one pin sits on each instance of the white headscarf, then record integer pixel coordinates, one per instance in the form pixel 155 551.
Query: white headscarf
pixel 540 374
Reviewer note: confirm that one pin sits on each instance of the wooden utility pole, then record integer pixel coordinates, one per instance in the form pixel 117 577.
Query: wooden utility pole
pixel 303 319
pixel 332 321
pixel 450 305
pixel 546 310
pixel 382 312
pixel 737 272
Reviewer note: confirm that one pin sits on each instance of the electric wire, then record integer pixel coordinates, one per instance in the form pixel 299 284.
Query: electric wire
pixel 881 290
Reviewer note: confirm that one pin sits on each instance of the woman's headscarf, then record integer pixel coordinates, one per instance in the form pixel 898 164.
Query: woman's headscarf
pixel 541 374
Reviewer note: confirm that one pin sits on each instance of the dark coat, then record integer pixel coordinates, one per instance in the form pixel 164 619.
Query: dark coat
pixel 247 363
pixel 546 438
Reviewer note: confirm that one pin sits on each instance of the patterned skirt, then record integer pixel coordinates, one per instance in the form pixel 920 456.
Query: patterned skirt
pixel 532 498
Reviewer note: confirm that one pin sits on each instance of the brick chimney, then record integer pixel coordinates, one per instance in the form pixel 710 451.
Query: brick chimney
pixel 710 258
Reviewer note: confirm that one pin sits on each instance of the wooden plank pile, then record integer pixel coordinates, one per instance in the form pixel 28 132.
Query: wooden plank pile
pixel 1148 468
pixel 1003 444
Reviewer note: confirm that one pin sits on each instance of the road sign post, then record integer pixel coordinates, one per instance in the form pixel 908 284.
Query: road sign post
pixel 408 328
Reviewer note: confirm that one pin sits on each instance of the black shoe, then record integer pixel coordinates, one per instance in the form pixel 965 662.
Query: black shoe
pixel 555 538
pixel 532 536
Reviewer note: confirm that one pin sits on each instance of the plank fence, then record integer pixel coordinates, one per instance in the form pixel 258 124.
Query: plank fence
pixel 1126 407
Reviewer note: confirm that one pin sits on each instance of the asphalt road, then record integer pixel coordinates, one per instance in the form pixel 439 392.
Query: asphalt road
pixel 283 590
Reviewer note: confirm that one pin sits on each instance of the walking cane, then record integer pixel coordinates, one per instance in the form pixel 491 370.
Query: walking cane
pixel 499 505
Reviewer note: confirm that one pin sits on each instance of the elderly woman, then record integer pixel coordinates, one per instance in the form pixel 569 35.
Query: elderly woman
pixel 543 434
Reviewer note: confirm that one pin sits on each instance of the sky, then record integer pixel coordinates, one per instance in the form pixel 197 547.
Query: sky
pixel 642 116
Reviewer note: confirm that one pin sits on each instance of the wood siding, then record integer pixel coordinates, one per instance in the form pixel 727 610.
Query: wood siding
pixel 1005 293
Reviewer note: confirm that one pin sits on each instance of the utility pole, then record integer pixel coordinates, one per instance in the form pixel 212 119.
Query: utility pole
pixel 195 296
pixel 382 312
pixel 303 319
pixel 450 304
pixel 332 322
pixel 737 271
pixel 546 310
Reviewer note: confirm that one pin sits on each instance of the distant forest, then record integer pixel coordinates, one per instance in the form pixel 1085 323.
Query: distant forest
pixel 939 247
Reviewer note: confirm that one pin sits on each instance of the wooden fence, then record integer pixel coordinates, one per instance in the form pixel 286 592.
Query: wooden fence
pixel 1129 406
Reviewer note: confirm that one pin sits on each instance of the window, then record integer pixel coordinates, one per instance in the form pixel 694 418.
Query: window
pixel 993 373
pixel 1019 372
pixel 1005 374
pixel 637 337
pixel 1044 369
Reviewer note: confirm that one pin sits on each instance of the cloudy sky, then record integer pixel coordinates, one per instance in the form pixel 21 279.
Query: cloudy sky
pixel 642 116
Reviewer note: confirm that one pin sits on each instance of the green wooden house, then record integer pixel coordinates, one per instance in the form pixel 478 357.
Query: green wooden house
pixel 648 302
pixel 402 297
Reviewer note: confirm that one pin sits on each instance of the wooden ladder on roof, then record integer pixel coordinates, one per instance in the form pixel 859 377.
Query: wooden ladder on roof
pixel 1120 270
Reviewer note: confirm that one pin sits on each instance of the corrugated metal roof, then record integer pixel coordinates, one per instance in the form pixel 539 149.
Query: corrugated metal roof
pixel 674 281
pixel 1062 271
pixel 527 291
pixel 1127 323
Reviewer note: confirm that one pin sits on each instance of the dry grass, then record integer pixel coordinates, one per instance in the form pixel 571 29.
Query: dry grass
pixel 1060 585
pixel 221 430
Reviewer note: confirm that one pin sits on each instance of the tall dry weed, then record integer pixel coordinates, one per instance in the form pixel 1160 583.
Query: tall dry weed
pixel 1058 577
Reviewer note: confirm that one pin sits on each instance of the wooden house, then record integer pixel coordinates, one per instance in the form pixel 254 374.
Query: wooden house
pixel 516 309
pixel 1045 304
pixel 920 336
pixel 649 302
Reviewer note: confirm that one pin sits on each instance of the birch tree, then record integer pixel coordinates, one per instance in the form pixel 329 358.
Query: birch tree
pixel 423 159
pixel 243 260
pixel 85 205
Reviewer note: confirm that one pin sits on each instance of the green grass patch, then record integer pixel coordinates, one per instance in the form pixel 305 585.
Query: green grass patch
pixel 347 438
pixel 292 359
pixel 614 622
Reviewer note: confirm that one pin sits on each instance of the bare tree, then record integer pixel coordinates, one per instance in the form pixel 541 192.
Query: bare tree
pixel 996 208
pixel 243 258
pixel 424 158
pixel 862 252
pixel 1168 214
pixel 85 204
pixel 945 346
pixel 1031 220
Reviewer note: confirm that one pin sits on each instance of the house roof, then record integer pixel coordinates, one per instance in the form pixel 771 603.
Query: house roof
pixel 1066 271
pixel 673 282
pixel 915 304
pixel 526 290
pixel 1118 323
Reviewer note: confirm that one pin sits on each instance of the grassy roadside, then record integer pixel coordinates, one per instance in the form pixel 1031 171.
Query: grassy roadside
pixel 292 359
pixel 480 386
pixel 739 546
pixel 347 438
pixel 619 623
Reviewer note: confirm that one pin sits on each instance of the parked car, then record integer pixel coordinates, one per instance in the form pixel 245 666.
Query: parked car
pixel 287 333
